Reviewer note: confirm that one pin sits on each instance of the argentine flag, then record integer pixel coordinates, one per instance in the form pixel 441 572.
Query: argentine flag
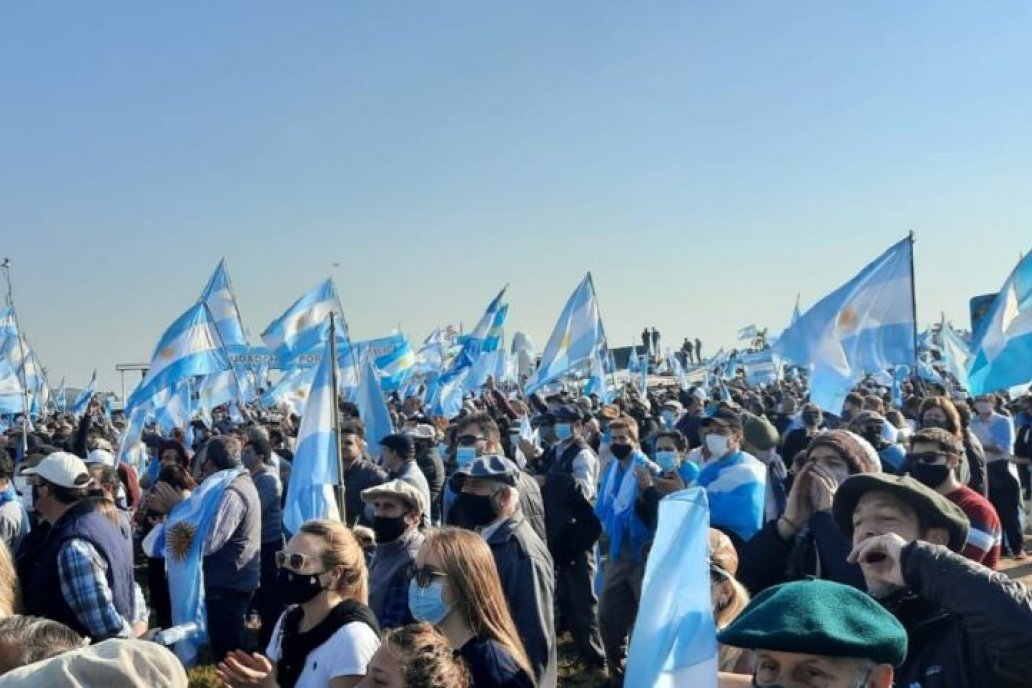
pixel 218 296
pixel 316 458
pixel 577 336
pixel 188 348
pixel 371 407
pixel 736 487
pixel 11 398
pixel 300 328
pixel 955 353
pixel 864 326
pixel 291 389
pixel 182 544
pixel 82 401
pixel 484 338
pixel 674 642
pixel 1002 356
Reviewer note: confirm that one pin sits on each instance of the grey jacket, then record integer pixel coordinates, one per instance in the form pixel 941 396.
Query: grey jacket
pixel 526 570
pixel 392 560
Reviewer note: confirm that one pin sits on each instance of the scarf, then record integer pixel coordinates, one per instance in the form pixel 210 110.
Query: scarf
pixel 296 646
pixel 615 505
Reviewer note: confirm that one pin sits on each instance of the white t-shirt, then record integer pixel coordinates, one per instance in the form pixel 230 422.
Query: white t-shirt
pixel 346 653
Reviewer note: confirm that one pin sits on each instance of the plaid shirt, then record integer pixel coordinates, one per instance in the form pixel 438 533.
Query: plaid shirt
pixel 396 611
pixel 83 575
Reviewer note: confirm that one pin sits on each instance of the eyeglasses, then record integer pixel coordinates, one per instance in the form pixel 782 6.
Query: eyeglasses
pixel 424 575
pixel 295 561
pixel 928 457
pixel 468 440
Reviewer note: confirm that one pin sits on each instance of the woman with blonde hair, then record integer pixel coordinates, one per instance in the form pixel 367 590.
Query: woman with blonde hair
pixel 10 592
pixel 455 586
pixel 328 634
pixel 729 597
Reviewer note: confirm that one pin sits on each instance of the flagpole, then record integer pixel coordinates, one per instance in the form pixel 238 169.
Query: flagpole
pixel 232 368
pixel 913 304
pixel 336 415
pixel 605 338
pixel 6 265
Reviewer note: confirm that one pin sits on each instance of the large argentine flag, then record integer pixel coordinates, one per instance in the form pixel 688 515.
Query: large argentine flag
pixel 864 326
pixel 578 334
pixel 315 470
pixel 674 642
pixel 188 348
pixel 300 329
pixel 1002 356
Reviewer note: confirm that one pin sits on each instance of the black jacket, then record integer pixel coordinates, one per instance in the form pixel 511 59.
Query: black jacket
pixel 818 549
pixel 968 626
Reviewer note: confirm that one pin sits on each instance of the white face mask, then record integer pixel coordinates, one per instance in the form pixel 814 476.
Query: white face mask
pixel 983 407
pixel 717 445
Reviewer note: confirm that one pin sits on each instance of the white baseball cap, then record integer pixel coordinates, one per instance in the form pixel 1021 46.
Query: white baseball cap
pixel 101 456
pixel 63 469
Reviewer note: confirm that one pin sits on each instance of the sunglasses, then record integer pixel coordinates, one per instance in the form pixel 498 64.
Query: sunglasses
pixel 928 457
pixel 295 561
pixel 424 575
pixel 468 440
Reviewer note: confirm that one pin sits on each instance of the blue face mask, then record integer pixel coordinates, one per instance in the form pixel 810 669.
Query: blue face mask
pixel 667 460
pixel 465 455
pixel 427 604
pixel 563 431
pixel 668 418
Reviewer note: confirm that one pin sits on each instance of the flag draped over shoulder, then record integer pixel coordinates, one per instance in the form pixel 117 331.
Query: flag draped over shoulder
pixel 185 531
pixel 315 468
pixel 1002 354
pixel 674 642
pixel 578 334
pixel 864 326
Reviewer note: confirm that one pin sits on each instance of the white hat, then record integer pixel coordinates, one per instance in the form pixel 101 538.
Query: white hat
pixel 422 431
pixel 115 662
pixel 399 489
pixel 101 456
pixel 61 468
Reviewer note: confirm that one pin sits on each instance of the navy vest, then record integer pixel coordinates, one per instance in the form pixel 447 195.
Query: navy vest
pixel 236 566
pixel 43 589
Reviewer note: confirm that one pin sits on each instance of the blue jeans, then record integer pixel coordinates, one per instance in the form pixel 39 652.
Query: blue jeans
pixel 227 614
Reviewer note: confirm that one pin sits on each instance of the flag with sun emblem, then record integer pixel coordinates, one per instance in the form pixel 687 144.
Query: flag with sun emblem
pixel 864 326
pixel 291 389
pixel 188 348
pixel 577 336
pixel 300 329
pixel 185 531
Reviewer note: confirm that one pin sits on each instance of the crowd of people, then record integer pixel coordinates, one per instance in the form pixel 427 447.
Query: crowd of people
pixel 848 549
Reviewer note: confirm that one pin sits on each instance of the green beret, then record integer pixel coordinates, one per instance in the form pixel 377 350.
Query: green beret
pixel 816 617
pixel 934 510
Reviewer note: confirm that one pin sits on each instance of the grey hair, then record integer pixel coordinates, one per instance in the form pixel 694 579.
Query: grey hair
pixel 38 638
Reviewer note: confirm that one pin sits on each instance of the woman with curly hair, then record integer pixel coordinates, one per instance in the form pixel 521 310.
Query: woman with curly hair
pixel 415 656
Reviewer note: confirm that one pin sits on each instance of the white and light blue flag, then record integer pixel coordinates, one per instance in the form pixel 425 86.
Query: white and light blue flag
pixel 1001 357
pixel 578 334
pixel 864 326
pixel 315 468
pixel 82 401
pixel 674 642
pixel 300 328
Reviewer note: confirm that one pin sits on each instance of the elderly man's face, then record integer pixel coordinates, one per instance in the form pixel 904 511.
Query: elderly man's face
pixel 878 513
pixel 791 670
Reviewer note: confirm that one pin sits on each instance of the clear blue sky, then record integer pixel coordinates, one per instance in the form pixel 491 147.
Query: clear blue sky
pixel 706 161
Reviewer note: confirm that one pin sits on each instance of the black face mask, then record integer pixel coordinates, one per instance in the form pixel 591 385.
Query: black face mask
pixel 874 436
pixel 931 475
pixel 474 511
pixel 621 450
pixel 811 418
pixel 935 423
pixel 297 588
pixel 388 529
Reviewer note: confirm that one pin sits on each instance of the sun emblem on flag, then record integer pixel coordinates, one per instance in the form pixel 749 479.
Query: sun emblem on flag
pixel 846 319
pixel 303 321
pixel 167 352
pixel 302 393
pixel 179 538
pixel 564 344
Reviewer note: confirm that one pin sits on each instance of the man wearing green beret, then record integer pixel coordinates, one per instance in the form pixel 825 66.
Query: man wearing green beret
pixel 968 626
pixel 816 634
